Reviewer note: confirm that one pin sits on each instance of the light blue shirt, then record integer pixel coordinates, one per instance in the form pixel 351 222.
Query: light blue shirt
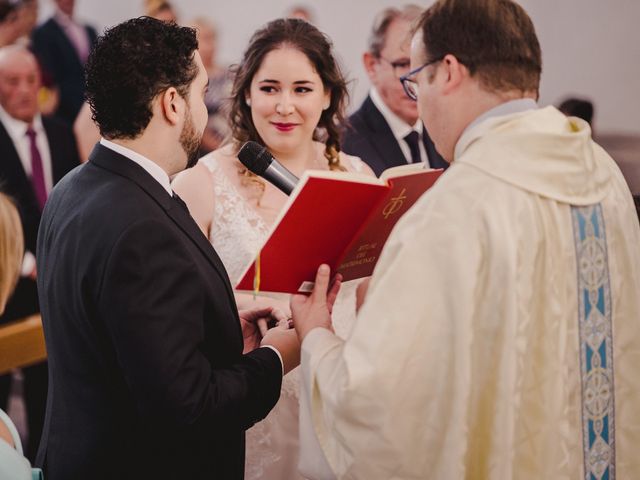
pixel 13 465
pixel 506 108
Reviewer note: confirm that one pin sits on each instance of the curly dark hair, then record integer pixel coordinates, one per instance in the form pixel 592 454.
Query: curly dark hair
pixel 318 49
pixel 131 64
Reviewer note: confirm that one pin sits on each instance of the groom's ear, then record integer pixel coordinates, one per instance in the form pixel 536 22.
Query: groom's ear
pixel 171 106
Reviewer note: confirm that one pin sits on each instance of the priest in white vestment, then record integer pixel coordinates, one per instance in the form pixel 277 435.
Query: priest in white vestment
pixel 500 336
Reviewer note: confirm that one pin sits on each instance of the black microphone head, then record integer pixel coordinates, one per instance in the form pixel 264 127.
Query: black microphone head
pixel 255 157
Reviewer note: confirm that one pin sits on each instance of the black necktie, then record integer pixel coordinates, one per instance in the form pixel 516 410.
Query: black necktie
pixel 180 202
pixel 413 140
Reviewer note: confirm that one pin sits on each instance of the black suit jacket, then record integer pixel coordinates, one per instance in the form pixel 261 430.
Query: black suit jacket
pixel 59 59
pixel 147 376
pixel 369 137
pixel 15 183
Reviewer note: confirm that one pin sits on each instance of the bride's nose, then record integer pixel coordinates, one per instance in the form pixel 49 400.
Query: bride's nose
pixel 284 106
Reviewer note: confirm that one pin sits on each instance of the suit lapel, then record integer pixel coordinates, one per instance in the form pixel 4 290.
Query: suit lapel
pixel 386 144
pixel 108 159
pixel 382 137
pixel 189 226
pixel 15 169
pixel 435 159
pixel 66 43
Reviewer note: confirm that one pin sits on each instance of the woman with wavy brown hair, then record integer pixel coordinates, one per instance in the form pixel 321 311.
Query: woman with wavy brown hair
pixel 289 95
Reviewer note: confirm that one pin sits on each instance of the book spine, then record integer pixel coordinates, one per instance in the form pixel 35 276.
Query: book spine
pixel 364 259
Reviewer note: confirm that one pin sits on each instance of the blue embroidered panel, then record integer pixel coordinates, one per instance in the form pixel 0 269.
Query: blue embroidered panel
pixel 596 348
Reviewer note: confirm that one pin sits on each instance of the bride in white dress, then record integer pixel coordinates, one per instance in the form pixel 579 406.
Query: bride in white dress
pixel 289 95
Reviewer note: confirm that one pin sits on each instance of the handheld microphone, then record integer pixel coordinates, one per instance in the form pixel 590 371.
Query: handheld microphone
pixel 260 161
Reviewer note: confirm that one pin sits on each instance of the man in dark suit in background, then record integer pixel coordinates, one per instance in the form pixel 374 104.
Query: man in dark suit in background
pixel 386 130
pixel 36 153
pixel 147 371
pixel 62 46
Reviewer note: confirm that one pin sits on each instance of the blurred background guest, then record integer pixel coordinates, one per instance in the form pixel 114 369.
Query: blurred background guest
pixel 11 248
pixel 86 132
pixel 62 46
pixel 161 10
pixel 219 90
pixel 303 12
pixel 386 131
pixel 13 466
pixel 578 107
pixel 36 153
pixel 10 25
pixel 27 17
pixel 288 94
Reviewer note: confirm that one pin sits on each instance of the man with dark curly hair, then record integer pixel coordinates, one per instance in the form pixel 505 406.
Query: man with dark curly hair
pixel 148 375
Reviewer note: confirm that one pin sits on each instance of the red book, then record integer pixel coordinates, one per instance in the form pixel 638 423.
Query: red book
pixel 341 219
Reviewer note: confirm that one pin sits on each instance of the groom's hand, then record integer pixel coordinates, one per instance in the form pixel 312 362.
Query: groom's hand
pixel 254 323
pixel 285 340
pixel 315 310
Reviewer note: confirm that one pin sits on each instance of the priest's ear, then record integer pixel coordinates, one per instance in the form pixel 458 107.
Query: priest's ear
pixel 452 72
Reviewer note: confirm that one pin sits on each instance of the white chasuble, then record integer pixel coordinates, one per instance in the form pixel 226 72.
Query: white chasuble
pixel 500 337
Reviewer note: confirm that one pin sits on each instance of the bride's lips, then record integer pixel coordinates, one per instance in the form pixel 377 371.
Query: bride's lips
pixel 284 127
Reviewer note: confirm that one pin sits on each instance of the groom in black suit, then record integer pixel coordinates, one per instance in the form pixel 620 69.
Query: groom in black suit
pixel 147 373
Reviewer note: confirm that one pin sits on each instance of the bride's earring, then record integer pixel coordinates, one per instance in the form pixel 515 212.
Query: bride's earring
pixel 247 101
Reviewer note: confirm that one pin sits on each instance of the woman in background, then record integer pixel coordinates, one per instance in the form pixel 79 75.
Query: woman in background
pixel 13 465
pixel 289 95
pixel 161 10
pixel 219 89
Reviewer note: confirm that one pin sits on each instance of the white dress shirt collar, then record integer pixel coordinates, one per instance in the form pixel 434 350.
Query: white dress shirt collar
pixel 17 131
pixel 18 128
pixel 399 127
pixel 149 166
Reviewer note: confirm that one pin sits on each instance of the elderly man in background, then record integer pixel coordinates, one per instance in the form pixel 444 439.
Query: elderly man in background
pixel 500 337
pixel 386 131
pixel 36 153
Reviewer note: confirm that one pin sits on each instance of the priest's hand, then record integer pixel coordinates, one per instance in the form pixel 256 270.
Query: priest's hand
pixel 315 310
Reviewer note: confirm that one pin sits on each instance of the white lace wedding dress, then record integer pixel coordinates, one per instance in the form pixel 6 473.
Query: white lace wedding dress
pixel 237 233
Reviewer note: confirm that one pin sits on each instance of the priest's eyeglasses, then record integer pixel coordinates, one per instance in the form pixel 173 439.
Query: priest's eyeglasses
pixel 410 86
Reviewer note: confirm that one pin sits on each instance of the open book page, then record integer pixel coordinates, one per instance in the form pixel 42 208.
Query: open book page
pixel 402 170
pixel 319 221
pixel 341 219
pixel 406 186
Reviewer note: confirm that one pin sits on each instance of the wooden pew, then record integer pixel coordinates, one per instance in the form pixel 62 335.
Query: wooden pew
pixel 21 344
